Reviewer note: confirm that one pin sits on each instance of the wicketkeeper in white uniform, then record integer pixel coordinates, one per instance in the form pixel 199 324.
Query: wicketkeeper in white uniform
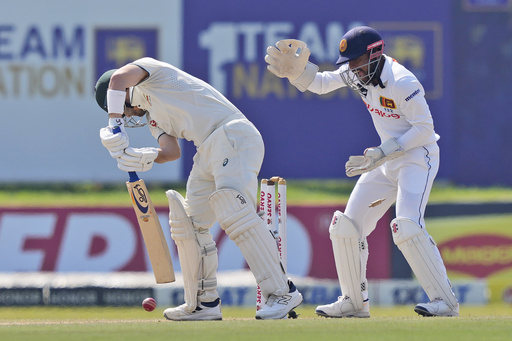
pixel 401 170
pixel 222 185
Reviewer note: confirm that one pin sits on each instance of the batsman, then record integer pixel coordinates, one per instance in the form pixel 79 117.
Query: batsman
pixel 222 185
pixel 400 170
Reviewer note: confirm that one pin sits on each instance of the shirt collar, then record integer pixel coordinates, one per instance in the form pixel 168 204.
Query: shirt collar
pixel 386 70
pixel 130 92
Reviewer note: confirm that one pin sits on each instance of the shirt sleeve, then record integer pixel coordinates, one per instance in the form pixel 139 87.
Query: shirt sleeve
pixel 411 96
pixel 153 68
pixel 326 82
pixel 155 130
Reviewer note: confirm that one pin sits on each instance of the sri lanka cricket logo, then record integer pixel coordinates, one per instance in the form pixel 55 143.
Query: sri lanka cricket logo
pixel 387 103
pixel 343 45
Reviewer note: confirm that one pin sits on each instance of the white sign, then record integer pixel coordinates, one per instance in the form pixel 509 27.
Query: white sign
pixel 50 56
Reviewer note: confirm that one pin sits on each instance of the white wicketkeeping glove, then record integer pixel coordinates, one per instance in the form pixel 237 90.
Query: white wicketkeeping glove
pixel 115 143
pixel 373 157
pixel 137 159
pixel 283 61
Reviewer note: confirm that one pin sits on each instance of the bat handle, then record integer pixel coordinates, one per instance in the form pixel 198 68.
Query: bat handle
pixel 133 175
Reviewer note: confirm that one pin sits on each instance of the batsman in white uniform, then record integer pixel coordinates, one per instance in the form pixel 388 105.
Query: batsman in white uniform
pixel 222 185
pixel 401 170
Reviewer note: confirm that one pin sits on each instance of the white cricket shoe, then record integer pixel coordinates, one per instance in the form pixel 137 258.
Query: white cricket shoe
pixel 343 307
pixel 204 312
pixel 278 307
pixel 436 307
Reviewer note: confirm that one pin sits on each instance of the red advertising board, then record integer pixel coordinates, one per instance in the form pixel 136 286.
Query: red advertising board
pixel 106 239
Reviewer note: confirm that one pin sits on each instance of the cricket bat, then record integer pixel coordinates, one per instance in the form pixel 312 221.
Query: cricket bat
pixel 152 233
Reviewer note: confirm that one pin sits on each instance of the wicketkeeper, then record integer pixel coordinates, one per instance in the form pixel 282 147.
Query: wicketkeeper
pixel 400 170
pixel 222 185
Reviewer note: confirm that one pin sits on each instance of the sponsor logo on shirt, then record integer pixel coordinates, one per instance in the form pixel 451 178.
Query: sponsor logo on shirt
pixel 381 113
pixel 148 99
pixel 408 98
pixel 387 103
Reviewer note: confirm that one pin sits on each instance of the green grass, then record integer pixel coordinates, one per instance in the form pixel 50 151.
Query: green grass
pixel 493 322
pixel 299 192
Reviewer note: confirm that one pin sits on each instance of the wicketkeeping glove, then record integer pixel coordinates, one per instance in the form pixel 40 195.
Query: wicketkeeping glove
pixel 373 157
pixel 137 159
pixel 115 143
pixel 284 61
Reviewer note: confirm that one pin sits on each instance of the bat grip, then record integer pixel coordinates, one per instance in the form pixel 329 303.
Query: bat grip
pixel 133 175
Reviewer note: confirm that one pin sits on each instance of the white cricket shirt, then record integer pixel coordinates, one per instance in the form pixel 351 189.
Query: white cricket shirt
pixel 182 105
pixel 399 110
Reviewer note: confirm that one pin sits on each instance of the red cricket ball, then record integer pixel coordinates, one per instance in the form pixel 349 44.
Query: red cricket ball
pixel 149 304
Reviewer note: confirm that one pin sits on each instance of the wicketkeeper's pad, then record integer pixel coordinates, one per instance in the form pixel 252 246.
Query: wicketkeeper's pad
pixel 423 257
pixel 350 257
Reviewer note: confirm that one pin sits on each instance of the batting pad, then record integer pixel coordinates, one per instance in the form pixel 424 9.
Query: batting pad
pixel 421 253
pixel 350 262
pixel 182 232
pixel 207 283
pixel 242 224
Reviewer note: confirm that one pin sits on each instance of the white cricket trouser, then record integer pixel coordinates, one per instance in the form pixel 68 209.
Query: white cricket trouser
pixel 230 157
pixel 406 180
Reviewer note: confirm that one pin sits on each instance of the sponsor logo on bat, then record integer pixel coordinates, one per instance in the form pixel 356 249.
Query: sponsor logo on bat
pixel 140 198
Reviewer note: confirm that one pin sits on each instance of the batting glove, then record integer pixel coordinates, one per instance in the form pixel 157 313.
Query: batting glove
pixel 115 143
pixel 137 159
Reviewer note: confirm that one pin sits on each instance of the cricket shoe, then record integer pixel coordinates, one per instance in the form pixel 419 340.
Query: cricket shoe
pixel 436 307
pixel 279 306
pixel 343 307
pixel 205 311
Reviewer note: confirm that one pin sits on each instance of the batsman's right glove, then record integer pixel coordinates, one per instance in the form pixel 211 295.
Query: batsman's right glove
pixel 137 159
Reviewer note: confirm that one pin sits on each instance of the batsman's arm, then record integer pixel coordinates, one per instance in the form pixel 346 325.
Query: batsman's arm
pixel 169 149
pixel 122 79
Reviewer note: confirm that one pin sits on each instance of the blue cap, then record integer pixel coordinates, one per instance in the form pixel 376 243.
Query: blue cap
pixel 357 42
